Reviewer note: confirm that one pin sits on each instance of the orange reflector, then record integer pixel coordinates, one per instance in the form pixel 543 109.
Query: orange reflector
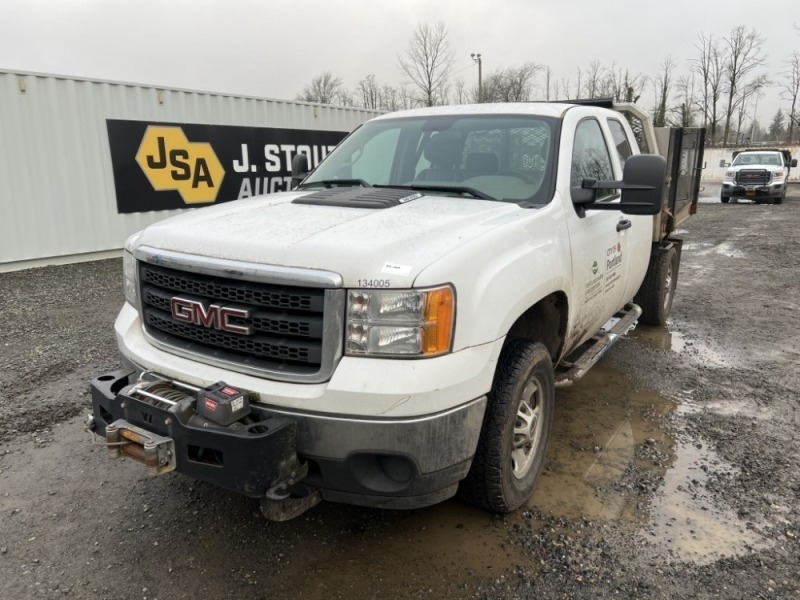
pixel 437 329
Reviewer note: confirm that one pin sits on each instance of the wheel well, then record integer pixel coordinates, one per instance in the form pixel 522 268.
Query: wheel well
pixel 545 322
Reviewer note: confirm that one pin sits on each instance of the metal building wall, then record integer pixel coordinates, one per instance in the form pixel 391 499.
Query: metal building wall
pixel 57 193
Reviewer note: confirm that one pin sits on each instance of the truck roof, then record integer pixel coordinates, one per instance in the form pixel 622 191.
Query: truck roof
pixel 547 109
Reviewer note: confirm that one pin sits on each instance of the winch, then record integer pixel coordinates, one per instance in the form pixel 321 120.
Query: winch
pixel 214 434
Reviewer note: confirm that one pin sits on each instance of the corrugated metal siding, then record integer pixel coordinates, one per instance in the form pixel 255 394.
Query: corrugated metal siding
pixel 56 184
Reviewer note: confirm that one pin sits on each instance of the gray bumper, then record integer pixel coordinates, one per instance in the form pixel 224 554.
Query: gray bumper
pixel 391 463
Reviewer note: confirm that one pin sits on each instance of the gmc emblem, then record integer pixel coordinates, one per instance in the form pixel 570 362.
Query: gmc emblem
pixel 213 316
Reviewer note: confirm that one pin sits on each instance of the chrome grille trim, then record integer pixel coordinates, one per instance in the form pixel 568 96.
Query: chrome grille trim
pixel 224 350
pixel 246 271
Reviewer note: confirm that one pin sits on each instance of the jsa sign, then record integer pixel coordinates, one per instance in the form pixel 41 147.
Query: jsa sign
pixel 163 166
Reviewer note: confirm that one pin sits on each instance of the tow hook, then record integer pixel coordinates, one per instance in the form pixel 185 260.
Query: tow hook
pixel 289 499
pixel 291 505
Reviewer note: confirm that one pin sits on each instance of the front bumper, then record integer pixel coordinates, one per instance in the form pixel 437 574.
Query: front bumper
pixel 732 190
pixel 393 463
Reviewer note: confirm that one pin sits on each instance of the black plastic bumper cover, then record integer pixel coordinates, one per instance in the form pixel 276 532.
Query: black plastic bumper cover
pixel 249 462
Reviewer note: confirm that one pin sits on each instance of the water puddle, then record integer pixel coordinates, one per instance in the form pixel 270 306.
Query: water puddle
pixel 610 460
pixel 687 518
pixel 599 424
pixel 696 350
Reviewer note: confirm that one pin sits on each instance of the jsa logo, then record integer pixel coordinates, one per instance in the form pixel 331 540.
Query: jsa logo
pixel 171 162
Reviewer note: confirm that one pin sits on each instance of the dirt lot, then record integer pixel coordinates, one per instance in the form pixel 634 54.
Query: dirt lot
pixel 674 470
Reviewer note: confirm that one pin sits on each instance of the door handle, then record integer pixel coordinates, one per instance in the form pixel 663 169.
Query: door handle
pixel 623 224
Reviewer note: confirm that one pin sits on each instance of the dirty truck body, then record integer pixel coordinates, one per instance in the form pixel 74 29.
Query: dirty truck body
pixel 392 331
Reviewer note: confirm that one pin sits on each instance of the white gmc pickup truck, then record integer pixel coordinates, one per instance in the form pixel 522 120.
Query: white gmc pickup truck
pixel 758 175
pixel 393 330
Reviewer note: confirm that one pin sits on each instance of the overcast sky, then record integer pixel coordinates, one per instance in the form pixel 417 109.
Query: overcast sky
pixel 273 48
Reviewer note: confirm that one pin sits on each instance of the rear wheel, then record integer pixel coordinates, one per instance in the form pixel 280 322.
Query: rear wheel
pixel 516 426
pixel 658 288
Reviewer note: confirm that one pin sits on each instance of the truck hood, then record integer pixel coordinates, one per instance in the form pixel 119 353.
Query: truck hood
pixel 393 244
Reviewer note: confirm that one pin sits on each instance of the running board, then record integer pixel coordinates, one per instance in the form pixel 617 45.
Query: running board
pixel 583 358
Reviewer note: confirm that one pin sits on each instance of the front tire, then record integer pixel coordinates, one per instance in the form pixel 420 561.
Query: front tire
pixel 724 199
pixel 658 288
pixel 516 427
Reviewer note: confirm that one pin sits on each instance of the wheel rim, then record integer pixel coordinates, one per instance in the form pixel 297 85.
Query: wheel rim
pixel 668 288
pixel 527 428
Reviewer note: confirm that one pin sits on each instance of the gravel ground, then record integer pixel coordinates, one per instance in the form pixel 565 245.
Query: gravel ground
pixel 673 471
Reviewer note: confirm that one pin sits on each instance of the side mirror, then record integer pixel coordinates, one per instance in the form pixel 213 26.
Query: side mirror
pixel 722 163
pixel 643 184
pixel 642 187
pixel 299 168
pixel 794 163
pixel 582 196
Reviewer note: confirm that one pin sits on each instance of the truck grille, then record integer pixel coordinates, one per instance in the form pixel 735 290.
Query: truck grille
pixel 753 177
pixel 284 325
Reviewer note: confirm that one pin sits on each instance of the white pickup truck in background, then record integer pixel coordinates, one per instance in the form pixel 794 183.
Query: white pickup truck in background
pixel 392 331
pixel 758 175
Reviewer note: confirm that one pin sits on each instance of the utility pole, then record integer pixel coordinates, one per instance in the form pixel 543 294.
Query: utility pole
pixel 477 58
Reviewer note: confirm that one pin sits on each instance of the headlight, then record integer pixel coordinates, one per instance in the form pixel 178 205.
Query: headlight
pixel 400 322
pixel 729 174
pixel 131 278
pixel 777 174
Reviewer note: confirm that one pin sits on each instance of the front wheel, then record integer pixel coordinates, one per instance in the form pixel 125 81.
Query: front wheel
pixel 516 427
pixel 724 199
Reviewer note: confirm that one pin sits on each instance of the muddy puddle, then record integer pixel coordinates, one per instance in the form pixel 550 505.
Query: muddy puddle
pixel 611 461
pixel 696 350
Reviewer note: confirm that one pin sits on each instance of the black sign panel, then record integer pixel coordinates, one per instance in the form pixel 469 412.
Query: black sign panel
pixel 163 166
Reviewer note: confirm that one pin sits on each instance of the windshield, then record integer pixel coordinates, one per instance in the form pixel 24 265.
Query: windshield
pixel 758 158
pixel 507 158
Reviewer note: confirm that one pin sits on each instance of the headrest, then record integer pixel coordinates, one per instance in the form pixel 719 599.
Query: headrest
pixel 444 149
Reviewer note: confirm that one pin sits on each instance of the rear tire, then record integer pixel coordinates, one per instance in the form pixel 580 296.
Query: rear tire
pixel 658 288
pixel 516 427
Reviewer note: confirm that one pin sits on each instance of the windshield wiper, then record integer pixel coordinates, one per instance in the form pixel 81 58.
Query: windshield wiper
pixel 457 189
pixel 329 183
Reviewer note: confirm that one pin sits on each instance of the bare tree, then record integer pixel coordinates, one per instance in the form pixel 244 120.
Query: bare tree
pixel 562 89
pixel 744 55
pixel 623 87
pixel 324 89
pixel 710 66
pixel 683 115
pixel 662 86
pixel 369 92
pixel 594 79
pixel 428 61
pixel 460 93
pixel 512 84
pixel 519 82
pixel 791 91
pixel 751 90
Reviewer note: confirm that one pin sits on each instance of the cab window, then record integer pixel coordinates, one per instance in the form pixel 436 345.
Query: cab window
pixel 591 158
pixel 620 140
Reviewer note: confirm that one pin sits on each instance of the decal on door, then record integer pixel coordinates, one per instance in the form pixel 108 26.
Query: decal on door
pixel 613 262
